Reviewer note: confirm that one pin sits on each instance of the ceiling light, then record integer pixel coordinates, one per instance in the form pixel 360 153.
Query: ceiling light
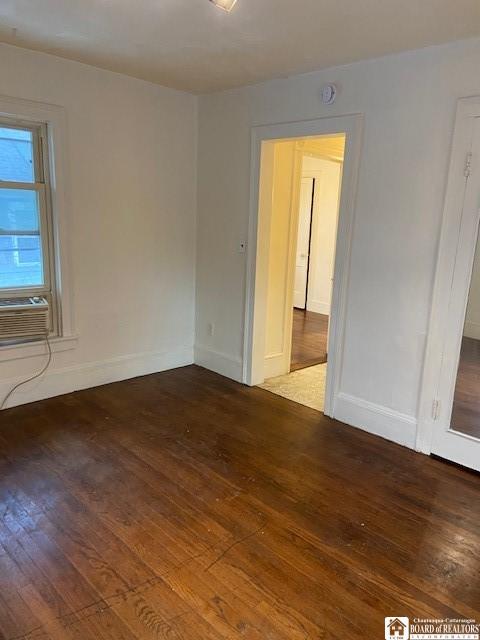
pixel 226 5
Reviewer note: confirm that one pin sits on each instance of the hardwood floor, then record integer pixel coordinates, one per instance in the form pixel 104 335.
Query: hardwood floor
pixel 309 339
pixel 183 505
pixel 466 405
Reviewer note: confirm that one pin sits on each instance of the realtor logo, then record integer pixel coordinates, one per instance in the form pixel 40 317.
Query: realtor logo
pixel 396 629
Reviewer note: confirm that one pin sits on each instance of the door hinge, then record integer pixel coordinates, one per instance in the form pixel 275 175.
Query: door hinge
pixel 468 164
pixel 436 409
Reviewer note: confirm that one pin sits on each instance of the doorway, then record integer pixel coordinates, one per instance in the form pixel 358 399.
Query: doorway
pixel 322 165
pixel 317 179
pixel 280 183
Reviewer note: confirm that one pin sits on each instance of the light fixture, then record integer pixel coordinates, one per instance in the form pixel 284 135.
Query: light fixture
pixel 226 5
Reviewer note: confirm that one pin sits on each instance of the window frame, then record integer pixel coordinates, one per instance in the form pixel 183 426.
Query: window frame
pixel 41 186
pixel 54 117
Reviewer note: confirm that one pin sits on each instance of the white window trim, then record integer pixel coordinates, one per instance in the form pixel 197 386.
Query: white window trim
pixel 55 118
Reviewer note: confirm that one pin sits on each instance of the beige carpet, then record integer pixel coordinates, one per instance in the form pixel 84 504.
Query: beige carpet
pixel 306 386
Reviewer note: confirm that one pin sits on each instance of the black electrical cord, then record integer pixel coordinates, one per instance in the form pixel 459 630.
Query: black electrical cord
pixel 37 375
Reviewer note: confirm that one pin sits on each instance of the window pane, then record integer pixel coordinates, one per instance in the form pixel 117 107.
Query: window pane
pixel 21 263
pixel 16 155
pixel 29 250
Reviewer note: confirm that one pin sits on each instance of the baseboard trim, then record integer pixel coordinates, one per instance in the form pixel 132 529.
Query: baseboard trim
pixel 376 419
pixel 60 381
pixel 275 365
pixel 319 307
pixel 472 330
pixel 222 363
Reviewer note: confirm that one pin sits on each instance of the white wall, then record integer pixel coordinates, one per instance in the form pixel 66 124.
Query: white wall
pixel 131 202
pixel 327 176
pixel 408 102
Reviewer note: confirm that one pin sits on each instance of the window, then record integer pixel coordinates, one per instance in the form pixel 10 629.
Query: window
pixel 26 238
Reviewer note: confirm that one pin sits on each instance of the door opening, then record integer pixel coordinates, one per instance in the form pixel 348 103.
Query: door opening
pixel 304 242
pixel 322 164
pixel 300 188
pixel 278 153
pixel 306 185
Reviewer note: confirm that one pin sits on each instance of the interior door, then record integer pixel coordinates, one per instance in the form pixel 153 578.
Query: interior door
pixel 457 433
pixel 303 243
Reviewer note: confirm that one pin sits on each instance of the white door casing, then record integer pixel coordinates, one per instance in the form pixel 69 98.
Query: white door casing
pixel 255 289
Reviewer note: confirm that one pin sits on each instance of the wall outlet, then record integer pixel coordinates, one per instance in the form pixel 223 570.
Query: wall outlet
pixel 211 328
pixel 242 247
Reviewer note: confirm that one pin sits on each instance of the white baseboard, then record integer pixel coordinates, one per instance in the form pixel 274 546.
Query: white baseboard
pixel 318 307
pixel 275 365
pixel 222 363
pixel 377 419
pixel 472 330
pixel 93 374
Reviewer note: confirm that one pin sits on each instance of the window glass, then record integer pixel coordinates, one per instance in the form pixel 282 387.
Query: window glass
pixel 21 260
pixel 16 155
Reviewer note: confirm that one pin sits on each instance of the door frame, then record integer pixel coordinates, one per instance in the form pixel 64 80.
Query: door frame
pixel 312 204
pixel 255 293
pixel 456 250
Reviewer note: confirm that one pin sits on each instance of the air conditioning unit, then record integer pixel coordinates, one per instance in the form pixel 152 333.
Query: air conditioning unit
pixel 23 318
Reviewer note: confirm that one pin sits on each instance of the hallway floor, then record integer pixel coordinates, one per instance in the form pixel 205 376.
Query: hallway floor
pixel 305 386
pixel 309 339
pixel 305 383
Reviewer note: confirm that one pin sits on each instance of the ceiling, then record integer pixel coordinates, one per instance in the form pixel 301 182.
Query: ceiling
pixel 192 45
pixel 331 146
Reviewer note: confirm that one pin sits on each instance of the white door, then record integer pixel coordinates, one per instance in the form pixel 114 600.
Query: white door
pixel 327 174
pixel 303 243
pixel 456 431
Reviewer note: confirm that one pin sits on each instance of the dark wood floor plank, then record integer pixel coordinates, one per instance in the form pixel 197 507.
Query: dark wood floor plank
pixel 183 505
pixel 466 403
pixel 342 492
pixel 309 339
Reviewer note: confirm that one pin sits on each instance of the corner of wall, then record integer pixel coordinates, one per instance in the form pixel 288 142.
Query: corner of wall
pixel 92 374
pixel 222 363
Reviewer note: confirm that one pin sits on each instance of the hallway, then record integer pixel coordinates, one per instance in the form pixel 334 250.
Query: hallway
pixel 309 339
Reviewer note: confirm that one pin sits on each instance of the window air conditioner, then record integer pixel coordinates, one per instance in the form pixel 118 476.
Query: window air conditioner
pixel 23 318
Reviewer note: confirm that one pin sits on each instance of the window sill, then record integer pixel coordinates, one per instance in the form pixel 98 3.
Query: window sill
pixel 30 350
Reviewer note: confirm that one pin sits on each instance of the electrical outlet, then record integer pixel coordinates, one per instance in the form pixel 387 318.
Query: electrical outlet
pixel 211 328
pixel 242 247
